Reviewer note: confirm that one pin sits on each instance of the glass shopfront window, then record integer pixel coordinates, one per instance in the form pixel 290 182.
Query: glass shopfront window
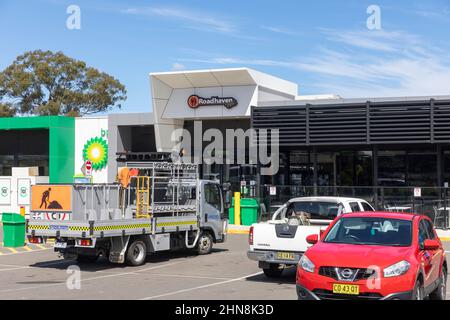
pixel 301 168
pixel 6 164
pixel 398 168
pixel 422 168
pixel 326 169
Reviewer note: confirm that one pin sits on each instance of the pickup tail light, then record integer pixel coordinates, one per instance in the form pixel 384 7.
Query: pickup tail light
pixel 85 242
pixel 35 240
pixel 250 236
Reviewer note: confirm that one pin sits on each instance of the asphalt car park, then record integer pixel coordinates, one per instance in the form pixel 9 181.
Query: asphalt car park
pixel 224 274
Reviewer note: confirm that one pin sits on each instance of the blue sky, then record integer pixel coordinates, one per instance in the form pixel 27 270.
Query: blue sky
pixel 324 46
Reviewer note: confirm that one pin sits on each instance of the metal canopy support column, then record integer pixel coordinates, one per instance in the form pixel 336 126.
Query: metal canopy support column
pixel 315 170
pixel 375 174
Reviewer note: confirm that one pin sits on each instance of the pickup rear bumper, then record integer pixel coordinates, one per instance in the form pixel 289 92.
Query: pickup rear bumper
pixel 274 256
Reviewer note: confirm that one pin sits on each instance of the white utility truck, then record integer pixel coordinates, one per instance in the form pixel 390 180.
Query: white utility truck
pixel 281 241
pixel 157 206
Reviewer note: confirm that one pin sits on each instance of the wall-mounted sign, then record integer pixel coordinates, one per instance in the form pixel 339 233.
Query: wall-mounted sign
pixel 5 191
pixel 417 192
pixel 95 152
pixel 23 192
pixel 273 191
pixel 195 101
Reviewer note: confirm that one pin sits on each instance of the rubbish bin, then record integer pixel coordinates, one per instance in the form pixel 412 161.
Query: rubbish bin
pixel 13 230
pixel 231 212
pixel 249 211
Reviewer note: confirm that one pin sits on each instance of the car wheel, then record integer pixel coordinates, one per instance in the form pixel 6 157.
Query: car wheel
pixel 440 292
pixel 205 243
pixel 136 253
pixel 274 271
pixel 418 292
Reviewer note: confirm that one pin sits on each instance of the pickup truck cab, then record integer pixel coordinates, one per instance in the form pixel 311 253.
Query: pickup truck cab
pixel 281 241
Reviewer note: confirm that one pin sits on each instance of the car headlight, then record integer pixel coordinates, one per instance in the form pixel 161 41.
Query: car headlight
pixel 306 264
pixel 396 269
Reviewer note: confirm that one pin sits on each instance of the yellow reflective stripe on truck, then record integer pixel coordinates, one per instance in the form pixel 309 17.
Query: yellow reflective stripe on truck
pixel 176 223
pixel 38 227
pixel 126 226
pixel 78 228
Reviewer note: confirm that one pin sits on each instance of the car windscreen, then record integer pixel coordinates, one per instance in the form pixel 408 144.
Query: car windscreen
pixel 319 210
pixel 371 231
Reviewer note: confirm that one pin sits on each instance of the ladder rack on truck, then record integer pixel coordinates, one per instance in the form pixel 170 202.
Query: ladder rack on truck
pixel 157 206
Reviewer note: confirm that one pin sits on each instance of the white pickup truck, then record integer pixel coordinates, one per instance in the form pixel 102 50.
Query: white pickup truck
pixel 281 241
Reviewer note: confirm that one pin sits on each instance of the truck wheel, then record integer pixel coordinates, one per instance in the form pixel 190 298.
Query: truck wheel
pixel 441 291
pixel 85 258
pixel 136 253
pixel 205 243
pixel 274 271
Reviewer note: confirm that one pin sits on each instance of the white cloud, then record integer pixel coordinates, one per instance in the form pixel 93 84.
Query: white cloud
pixel 281 30
pixel 382 64
pixel 178 66
pixel 194 18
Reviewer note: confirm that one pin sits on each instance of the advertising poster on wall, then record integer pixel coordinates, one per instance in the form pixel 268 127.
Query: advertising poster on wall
pixel 23 192
pixel 5 191
pixel 91 146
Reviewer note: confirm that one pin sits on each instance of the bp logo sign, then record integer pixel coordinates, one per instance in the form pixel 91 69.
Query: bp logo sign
pixel 96 151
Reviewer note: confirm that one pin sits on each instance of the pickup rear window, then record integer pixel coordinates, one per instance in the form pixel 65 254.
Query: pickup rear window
pixel 316 209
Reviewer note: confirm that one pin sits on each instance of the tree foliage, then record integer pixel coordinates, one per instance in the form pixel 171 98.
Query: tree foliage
pixel 47 83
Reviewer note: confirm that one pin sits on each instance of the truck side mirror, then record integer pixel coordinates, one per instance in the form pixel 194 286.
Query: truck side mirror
pixel 228 197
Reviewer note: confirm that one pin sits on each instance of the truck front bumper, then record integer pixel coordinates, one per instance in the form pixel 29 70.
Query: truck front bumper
pixel 273 257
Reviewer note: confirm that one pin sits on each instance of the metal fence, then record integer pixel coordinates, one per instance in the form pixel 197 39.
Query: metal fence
pixel 434 202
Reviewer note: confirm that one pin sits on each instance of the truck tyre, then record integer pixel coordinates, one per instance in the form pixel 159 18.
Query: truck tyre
pixel 85 258
pixel 274 271
pixel 136 253
pixel 441 291
pixel 204 243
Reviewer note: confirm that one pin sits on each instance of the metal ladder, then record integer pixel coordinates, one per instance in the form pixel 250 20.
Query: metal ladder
pixel 143 197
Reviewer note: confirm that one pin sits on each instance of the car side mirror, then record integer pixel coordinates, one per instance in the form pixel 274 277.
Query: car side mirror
pixel 430 244
pixel 312 239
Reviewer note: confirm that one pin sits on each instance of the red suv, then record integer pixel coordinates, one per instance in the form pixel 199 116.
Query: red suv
pixel 374 255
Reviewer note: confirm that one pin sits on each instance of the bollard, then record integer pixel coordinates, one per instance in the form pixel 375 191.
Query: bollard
pixel 237 208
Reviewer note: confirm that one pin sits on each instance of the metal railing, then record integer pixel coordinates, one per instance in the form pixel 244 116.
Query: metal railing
pixel 431 201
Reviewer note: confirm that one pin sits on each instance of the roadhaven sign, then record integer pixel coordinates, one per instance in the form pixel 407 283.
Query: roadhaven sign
pixel 195 101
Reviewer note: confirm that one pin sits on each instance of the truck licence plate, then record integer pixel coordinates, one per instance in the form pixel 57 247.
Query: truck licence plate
pixel 346 288
pixel 61 245
pixel 285 256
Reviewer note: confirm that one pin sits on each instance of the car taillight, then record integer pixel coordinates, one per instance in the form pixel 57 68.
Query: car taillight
pixel 85 242
pixel 250 236
pixel 35 240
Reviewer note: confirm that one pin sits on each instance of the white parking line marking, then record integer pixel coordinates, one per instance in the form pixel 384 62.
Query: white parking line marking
pixel 93 278
pixel 21 252
pixel 186 276
pixel 17 267
pixel 201 287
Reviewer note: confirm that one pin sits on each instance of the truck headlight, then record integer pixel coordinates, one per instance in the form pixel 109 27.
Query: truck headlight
pixel 306 264
pixel 396 269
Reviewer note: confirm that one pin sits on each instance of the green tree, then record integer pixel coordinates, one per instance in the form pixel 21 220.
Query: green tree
pixel 47 83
